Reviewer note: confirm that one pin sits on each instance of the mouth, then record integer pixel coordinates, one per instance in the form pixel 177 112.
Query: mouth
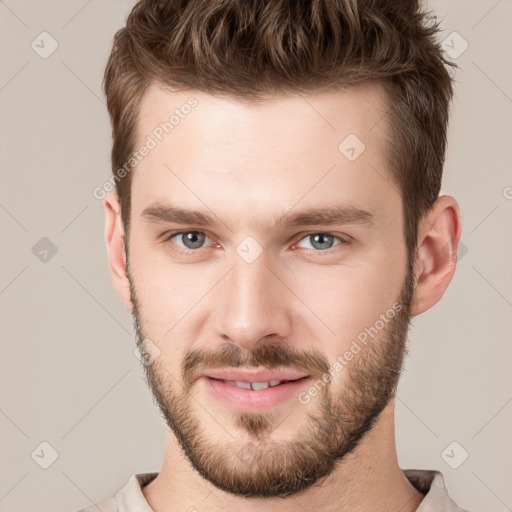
pixel 255 376
pixel 254 391
pixel 255 386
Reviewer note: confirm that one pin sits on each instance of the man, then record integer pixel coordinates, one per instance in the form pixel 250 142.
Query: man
pixel 276 224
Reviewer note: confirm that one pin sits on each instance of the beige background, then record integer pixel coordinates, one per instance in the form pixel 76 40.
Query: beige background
pixel 68 373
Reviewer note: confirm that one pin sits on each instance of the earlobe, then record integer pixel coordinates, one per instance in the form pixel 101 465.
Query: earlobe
pixel 438 238
pixel 115 240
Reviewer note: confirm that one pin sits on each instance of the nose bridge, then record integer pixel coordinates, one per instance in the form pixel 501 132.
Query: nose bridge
pixel 252 304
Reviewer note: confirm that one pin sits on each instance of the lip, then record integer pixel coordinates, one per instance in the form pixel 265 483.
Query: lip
pixel 254 376
pixel 247 400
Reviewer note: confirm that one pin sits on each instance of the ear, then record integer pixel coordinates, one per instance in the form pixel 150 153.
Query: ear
pixel 114 237
pixel 438 239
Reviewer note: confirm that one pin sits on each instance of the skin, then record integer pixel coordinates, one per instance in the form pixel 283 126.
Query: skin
pixel 248 164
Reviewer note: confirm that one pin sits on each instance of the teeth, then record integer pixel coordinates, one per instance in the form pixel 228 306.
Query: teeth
pixel 253 385
pixel 259 385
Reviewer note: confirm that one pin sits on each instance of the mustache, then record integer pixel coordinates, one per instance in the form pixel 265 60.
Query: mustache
pixel 270 356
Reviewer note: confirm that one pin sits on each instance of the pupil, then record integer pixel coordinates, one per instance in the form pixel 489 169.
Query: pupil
pixel 320 236
pixel 193 239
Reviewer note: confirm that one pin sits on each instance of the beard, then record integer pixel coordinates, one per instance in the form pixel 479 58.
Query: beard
pixel 263 467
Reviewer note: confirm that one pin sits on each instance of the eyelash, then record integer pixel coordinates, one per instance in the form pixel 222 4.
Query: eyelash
pixel 342 242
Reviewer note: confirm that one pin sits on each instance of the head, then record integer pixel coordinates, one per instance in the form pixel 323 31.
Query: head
pixel 302 169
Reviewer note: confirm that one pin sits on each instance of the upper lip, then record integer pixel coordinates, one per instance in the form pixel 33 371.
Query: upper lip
pixel 254 376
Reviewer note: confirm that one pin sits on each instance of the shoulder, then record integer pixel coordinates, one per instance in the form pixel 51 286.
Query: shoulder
pixel 128 499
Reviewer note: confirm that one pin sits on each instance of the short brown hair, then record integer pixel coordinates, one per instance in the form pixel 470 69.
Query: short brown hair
pixel 249 49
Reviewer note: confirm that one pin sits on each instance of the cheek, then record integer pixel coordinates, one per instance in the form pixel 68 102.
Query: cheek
pixel 166 292
pixel 345 300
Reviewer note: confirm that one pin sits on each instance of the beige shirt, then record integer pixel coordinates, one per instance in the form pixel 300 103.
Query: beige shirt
pixel 429 482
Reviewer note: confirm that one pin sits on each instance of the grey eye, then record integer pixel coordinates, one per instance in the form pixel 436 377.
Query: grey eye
pixel 321 241
pixel 191 239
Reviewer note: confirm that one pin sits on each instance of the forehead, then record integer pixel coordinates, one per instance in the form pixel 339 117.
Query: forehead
pixel 288 148
pixel 359 108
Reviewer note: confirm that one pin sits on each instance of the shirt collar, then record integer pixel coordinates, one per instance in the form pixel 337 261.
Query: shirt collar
pixel 431 484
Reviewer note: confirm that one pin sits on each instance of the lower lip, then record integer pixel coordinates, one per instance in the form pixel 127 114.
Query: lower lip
pixel 254 400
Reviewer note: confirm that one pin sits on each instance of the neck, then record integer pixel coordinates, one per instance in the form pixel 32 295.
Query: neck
pixel 367 479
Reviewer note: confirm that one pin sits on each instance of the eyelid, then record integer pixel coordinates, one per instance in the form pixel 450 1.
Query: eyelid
pixel 341 236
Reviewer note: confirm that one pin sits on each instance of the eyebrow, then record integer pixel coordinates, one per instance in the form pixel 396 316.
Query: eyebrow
pixel 159 212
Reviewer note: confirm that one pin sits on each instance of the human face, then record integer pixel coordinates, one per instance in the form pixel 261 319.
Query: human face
pixel 248 293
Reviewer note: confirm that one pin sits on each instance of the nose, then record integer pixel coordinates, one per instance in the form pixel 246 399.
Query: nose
pixel 252 304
